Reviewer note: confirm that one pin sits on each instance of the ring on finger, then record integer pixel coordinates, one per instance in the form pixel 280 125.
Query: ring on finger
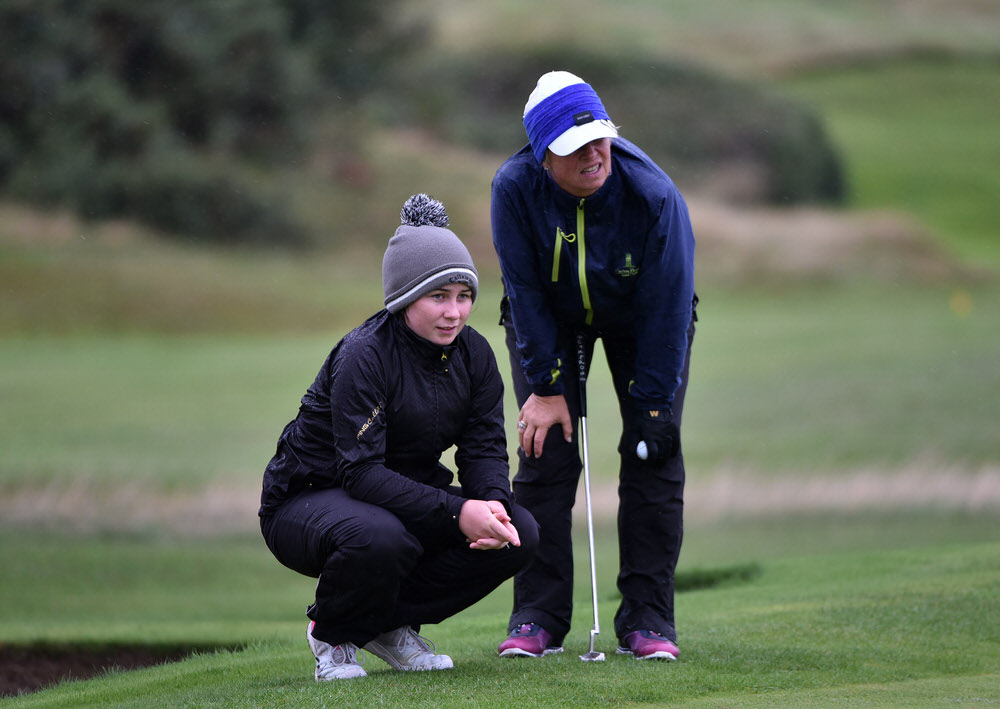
pixel 522 425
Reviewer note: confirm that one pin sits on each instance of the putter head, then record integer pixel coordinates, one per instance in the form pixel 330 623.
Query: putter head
pixel 593 655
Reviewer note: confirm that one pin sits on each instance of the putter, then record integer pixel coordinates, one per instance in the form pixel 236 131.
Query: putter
pixel 593 655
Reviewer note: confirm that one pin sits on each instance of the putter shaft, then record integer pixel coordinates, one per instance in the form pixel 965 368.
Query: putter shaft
pixel 581 359
pixel 590 529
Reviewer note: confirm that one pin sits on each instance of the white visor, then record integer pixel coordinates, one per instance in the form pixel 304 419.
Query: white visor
pixel 578 136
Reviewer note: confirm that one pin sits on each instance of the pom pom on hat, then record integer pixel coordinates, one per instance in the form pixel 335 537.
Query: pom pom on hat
pixel 423 210
pixel 423 255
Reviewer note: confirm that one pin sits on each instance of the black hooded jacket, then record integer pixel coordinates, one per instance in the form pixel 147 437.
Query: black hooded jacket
pixel 384 407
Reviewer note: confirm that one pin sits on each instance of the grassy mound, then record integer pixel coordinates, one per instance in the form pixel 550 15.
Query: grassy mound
pixel 697 124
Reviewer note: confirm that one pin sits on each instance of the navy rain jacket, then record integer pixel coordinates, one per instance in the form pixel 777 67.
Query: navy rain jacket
pixel 619 263
pixel 383 408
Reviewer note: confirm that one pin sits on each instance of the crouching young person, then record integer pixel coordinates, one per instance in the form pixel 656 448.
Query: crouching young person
pixel 356 495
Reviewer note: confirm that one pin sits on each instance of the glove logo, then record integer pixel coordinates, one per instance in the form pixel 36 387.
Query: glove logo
pixel 655 436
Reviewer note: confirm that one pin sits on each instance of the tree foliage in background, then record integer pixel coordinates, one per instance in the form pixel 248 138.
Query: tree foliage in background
pixel 177 112
pixel 353 44
pixel 164 109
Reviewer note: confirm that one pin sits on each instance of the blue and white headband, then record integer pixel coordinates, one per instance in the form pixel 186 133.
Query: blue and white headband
pixel 570 106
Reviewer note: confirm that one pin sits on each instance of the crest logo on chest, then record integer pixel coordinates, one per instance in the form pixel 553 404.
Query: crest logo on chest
pixel 628 270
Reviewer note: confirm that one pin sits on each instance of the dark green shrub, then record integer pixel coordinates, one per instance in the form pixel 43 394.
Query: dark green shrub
pixel 353 43
pixel 148 109
pixel 178 192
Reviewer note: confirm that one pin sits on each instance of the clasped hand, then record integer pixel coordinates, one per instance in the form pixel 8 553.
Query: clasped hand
pixel 486 525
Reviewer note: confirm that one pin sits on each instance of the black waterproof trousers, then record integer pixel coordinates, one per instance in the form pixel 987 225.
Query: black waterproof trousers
pixel 374 574
pixel 650 510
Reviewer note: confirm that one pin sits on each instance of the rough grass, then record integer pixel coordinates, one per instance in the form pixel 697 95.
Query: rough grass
pixel 760 39
pixel 67 276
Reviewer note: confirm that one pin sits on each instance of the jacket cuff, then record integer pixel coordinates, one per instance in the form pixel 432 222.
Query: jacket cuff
pixel 643 406
pixel 548 389
pixel 453 505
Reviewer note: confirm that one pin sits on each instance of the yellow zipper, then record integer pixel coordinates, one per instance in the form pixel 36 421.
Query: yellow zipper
pixel 558 250
pixel 581 257
pixel 581 253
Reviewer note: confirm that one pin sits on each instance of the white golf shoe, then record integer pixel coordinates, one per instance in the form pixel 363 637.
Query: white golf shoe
pixel 334 661
pixel 404 650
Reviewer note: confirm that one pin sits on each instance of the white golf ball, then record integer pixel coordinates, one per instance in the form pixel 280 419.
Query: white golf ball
pixel 641 451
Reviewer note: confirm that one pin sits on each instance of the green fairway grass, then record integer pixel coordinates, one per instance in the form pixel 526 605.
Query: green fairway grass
pixel 903 622
pixel 227 589
pixel 807 379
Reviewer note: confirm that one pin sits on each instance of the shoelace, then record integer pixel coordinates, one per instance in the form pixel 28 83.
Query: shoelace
pixel 341 655
pixel 523 629
pixel 410 636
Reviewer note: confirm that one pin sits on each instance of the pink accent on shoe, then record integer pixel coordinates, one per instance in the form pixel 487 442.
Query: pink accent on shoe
pixel 649 645
pixel 528 640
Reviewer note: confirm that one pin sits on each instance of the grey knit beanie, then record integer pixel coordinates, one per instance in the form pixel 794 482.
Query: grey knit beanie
pixel 423 255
